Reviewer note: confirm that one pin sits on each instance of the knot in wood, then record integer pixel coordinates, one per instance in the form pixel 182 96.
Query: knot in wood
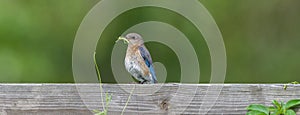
pixel 164 105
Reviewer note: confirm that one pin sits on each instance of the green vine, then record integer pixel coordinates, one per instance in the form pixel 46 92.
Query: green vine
pixel 107 96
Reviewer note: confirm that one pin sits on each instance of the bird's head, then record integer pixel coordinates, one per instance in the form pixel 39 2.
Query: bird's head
pixel 132 39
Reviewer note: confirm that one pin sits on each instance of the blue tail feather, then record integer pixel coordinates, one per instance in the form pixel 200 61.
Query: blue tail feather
pixel 152 72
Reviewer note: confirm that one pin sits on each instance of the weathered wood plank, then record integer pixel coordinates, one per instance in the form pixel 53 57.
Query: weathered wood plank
pixel 72 99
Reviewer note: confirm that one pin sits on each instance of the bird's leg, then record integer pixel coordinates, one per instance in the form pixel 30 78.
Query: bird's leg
pixel 142 82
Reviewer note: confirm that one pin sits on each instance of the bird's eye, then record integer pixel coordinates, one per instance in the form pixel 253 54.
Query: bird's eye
pixel 133 37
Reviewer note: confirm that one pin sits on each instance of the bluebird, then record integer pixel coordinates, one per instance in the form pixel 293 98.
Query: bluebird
pixel 138 61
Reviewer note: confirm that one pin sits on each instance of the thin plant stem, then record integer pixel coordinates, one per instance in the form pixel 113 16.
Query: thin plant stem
pixel 128 100
pixel 100 81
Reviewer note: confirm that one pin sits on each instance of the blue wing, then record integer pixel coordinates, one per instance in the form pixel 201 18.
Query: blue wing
pixel 146 55
pixel 148 60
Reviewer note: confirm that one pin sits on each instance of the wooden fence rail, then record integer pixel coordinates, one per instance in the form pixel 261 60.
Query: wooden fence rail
pixel 158 99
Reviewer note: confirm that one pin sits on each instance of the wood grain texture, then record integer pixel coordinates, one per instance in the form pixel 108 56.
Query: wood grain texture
pixel 158 99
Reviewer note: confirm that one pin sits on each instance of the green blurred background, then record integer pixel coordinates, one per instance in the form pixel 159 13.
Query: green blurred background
pixel 262 39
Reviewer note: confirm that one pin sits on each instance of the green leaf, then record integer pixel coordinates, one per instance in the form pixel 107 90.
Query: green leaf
pixel 256 113
pixel 272 109
pixel 283 107
pixel 290 112
pixel 97 112
pixel 292 103
pixel 282 110
pixel 258 108
pixel 276 103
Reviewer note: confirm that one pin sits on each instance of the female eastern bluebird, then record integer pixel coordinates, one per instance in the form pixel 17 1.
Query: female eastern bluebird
pixel 138 61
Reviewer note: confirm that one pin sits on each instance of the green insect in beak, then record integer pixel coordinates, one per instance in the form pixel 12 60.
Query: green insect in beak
pixel 123 39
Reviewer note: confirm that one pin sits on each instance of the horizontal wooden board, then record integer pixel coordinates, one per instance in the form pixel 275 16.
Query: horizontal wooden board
pixel 158 99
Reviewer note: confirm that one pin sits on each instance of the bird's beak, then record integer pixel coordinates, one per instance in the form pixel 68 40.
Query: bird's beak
pixel 124 39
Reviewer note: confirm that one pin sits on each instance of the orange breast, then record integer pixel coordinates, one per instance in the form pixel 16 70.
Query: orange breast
pixel 134 50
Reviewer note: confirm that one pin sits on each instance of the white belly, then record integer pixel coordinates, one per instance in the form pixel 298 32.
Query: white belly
pixel 133 67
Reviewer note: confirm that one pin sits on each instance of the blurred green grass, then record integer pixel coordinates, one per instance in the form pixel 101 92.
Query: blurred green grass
pixel 261 38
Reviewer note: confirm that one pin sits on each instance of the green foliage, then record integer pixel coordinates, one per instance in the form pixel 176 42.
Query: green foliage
pixel 255 113
pixel 278 108
pixel 36 39
pixel 256 108
pixel 292 103
pixel 290 112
